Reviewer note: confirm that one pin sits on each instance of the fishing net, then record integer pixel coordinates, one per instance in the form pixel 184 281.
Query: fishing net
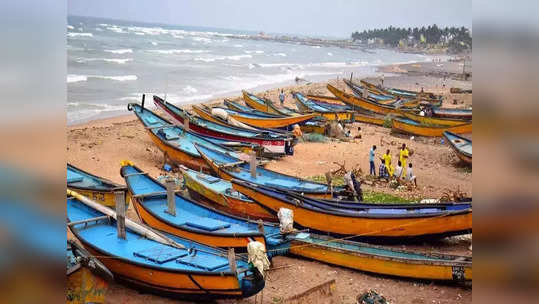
pixel 257 256
pixel 286 220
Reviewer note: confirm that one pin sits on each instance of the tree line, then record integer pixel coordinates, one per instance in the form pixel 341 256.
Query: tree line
pixel 455 38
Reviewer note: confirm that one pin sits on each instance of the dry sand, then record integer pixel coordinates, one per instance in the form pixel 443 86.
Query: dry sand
pixel 99 146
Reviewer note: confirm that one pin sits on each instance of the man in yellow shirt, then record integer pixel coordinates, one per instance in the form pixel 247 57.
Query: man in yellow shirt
pixel 386 158
pixel 403 156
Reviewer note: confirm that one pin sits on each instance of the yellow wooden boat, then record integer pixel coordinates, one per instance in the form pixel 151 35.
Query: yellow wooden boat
pixel 358 102
pixel 400 92
pixel 269 122
pixel 305 105
pixel 260 104
pixel 329 99
pixel 432 120
pixel 374 119
pixel 203 113
pixel 97 188
pixel 378 223
pixel 413 127
pixel 382 260
pixel 219 194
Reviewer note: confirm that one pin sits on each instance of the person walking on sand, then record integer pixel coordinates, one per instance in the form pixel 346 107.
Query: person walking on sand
pixel 410 176
pixel 372 170
pixel 365 93
pixel 281 97
pixel 398 171
pixel 403 157
pixel 386 158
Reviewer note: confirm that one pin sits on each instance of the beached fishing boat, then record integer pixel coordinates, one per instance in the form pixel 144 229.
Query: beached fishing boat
pixel 232 105
pixel 358 91
pixel 358 102
pixel 97 188
pixel 273 143
pixel 186 270
pixel 262 104
pixel 221 165
pixel 381 260
pixel 413 127
pixel 367 222
pixel 270 122
pixel 332 101
pixel 432 120
pixel 399 92
pixel 369 117
pixel 87 278
pixel 175 142
pixel 452 113
pixel 192 220
pixel 220 195
pixel 307 106
pixel 461 145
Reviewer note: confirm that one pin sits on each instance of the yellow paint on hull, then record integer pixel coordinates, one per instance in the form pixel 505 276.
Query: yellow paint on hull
pixel 83 286
pixel 105 198
pixel 327 99
pixel 361 103
pixel 170 281
pixel 369 119
pixel 374 264
pixel 436 131
pixel 432 120
pixel 229 204
pixel 260 107
pixel 207 116
pixel 272 122
pixel 364 226
pixel 319 129
pixel 207 239
pixel 178 156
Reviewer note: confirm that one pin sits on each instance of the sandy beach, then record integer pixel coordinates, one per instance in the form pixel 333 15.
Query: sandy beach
pixel 99 146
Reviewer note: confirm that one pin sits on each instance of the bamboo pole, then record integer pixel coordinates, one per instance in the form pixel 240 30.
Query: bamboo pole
pixel 138 228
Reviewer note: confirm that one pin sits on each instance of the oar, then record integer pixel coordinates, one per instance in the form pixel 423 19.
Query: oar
pixel 138 228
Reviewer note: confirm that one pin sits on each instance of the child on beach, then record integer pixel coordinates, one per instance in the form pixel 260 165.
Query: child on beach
pixel 281 97
pixel 372 170
pixel 398 171
pixel 410 176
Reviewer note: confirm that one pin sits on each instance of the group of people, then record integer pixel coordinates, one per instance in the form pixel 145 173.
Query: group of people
pixel 401 172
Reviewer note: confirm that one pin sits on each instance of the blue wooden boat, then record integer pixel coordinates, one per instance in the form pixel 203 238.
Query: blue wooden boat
pixel 195 271
pixel 97 188
pixel 370 221
pixel 273 143
pixel 193 220
pixel 219 163
pixel 174 141
pixel 461 145
pixel 452 113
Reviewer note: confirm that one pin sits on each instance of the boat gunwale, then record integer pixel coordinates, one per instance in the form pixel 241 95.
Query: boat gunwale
pixel 117 187
pixel 451 134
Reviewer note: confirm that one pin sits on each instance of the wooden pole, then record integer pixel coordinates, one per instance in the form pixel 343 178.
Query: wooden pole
pixel 329 181
pixel 232 259
pixel 186 123
pixel 119 198
pixel 252 163
pixel 171 202
pixel 143 99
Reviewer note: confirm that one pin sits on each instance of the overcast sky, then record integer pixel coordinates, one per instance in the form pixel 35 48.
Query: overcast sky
pixel 338 18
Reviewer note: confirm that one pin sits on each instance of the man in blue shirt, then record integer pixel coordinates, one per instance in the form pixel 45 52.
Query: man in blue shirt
pixel 281 97
pixel 371 161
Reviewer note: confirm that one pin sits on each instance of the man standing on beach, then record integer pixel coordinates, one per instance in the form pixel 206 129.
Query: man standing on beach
pixel 403 156
pixel 372 170
pixel 281 97
pixel 386 159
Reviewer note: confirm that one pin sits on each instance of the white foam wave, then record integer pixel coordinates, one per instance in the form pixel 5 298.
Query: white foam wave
pixel 238 45
pixel 254 52
pixel 189 90
pixel 202 39
pixel 279 54
pixel 70 27
pixel 154 43
pixel 139 33
pixel 72 34
pixel 120 51
pixel 179 51
pixel 116 29
pixel 76 78
pixel 113 60
pixel 330 54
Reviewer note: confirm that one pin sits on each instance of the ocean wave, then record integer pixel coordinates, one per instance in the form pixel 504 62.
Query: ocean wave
pixel 279 54
pixel 79 111
pixel 154 43
pixel 113 60
pixel 77 78
pixel 70 27
pixel 73 34
pixel 139 33
pixel 202 39
pixel 232 57
pixel 119 51
pixel 238 45
pixel 116 29
pixel 179 51
pixel 330 54
pixel 189 90
pixel 254 52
